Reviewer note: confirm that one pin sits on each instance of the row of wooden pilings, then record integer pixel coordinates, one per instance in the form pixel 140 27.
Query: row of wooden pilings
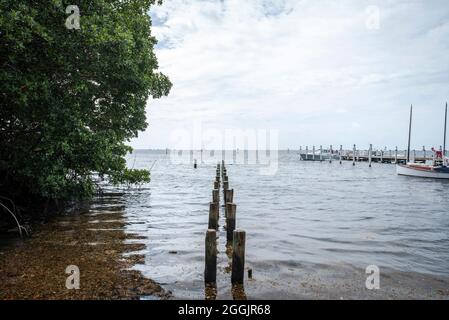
pixel 235 238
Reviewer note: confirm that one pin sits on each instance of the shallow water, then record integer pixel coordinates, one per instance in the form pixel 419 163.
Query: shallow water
pixel 309 227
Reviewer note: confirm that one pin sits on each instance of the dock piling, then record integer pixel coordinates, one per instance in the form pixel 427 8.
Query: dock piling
pixel 341 153
pixel 370 154
pixel 213 215
pixel 230 220
pixel 229 195
pixel 396 155
pixel 215 196
pixel 210 270
pixel 238 257
pixel 353 156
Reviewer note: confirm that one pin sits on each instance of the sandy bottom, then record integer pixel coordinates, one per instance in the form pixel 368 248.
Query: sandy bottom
pixel 96 243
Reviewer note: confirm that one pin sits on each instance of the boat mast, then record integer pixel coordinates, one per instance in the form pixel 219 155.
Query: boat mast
pixel 444 140
pixel 409 134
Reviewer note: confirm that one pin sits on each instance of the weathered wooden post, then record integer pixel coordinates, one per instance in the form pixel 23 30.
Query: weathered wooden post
pixel 216 184
pixel 370 154
pixel 396 155
pixel 210 270
pixel 321 153
pixel 331 154
pixel 313 153
pixel 300 152
pixel 194 164
pixel 238 257
pixel 381 156
pixel 213 215
pixel 353 156
pixel 225 185
pixel 230 220
pixel 341 152
pixel 216 196
pixel 225 179
pixel 228 195
pixel 307 152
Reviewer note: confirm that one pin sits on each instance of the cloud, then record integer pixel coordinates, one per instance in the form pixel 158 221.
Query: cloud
pixel 280 64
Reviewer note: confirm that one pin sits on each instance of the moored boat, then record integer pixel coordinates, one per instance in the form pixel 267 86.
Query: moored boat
pixel 423 171
pixel 438 169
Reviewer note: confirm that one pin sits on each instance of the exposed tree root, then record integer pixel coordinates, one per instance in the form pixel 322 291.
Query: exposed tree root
pixel 20 228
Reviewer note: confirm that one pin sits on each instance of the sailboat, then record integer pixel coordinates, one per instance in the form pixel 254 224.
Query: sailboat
pixel 438 169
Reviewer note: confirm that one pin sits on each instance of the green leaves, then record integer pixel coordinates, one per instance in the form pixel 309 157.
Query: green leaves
pixel 71 98
pixel 131 177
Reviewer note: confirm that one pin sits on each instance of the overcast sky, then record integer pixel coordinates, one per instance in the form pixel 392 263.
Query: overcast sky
pixel 319 72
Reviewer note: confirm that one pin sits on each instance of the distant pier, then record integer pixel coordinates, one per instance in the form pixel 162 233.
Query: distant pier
pixel 365 155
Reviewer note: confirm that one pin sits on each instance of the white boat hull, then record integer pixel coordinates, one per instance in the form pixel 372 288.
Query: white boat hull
pixel 416 172
pixel 317 157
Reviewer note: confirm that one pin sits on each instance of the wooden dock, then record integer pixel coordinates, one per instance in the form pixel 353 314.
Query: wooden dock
pixel 369 155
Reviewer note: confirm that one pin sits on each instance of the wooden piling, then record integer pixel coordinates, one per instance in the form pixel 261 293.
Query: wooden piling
pixel 213 215
pixel 396 155
pixel 230 220
pixel 330 156
pixel 215 195
pixel 210 270
pixel 321 153
pixel 225 185
pixel 228 195
pixel 353 156
pixel 216 184
pixel 238 257
pixel 341 152
pixel 194 164
pixel 370 154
